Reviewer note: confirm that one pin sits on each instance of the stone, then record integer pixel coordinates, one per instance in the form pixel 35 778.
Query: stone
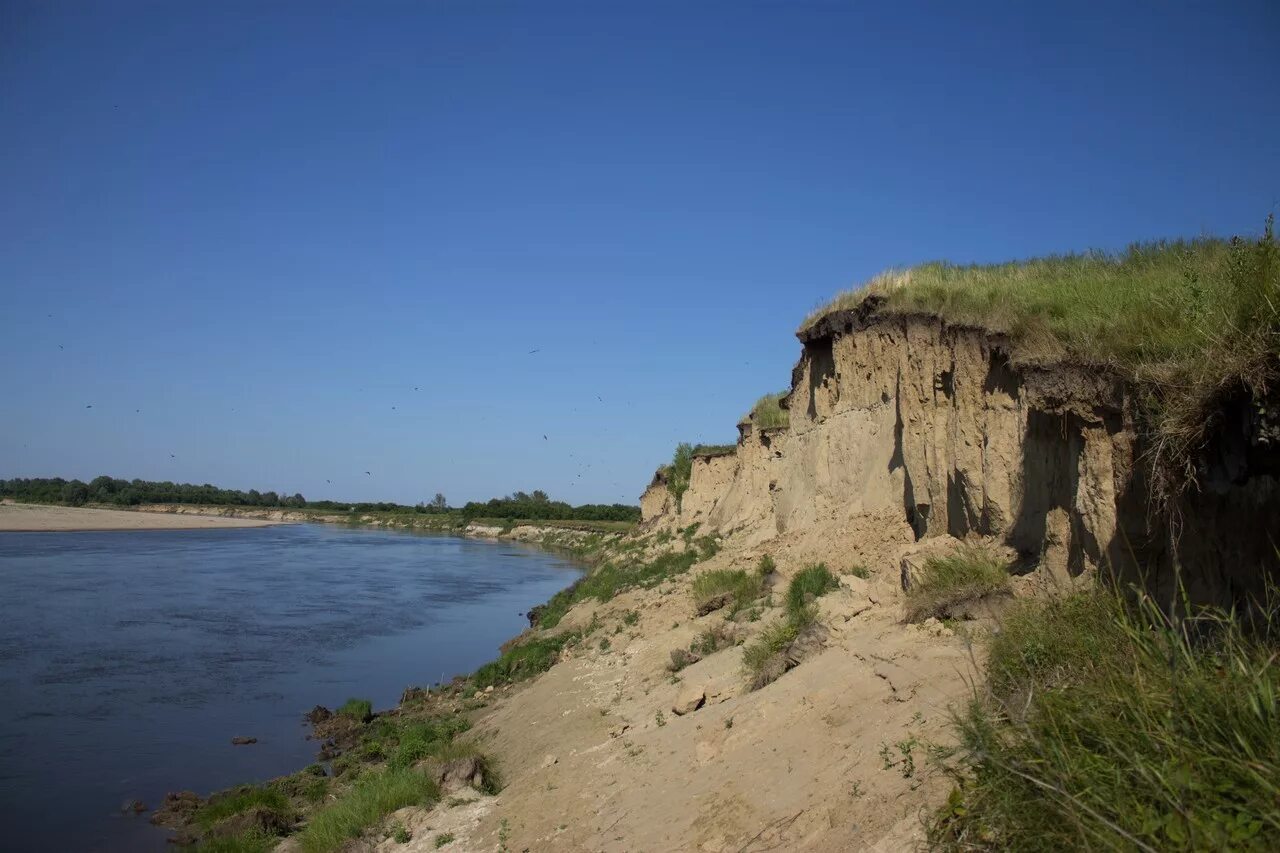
pixel 689 699
pixel 243 741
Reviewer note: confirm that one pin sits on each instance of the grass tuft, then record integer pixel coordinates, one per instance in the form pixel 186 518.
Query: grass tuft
pixel 357 709
pixel 239 800
pixel 732 587
pixel 526 660
pixel 969 573
pixel 371 798
pixel 807 585
pixel 1105 725
pixel 768 413
pixel 769 657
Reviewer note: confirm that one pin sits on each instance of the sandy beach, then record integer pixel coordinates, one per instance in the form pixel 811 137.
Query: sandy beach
pixel 31 517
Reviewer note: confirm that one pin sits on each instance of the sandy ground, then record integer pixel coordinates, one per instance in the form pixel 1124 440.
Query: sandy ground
pixel 26 517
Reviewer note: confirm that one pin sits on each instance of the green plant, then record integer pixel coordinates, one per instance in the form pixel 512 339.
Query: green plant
pixel 608 579
pixel 242 799
pixel 443 838
pixel 604 644
pixel 251 841
pixel 660 719
pixel 707 547
pixel 860 571
pixel 969 573
pixel 762 658
pixel 523 661
pixel 807 585
pixel 367 801
pixel 766 566
pixel 722 587
pixel 399 834
pixel 1105 724
pixel 357 709
pixel 768 413
pixel 679 472
pixel 631 618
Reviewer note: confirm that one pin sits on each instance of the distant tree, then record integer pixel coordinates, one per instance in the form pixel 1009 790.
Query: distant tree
pixel 438 503
pixel 75 493
pixel 539 496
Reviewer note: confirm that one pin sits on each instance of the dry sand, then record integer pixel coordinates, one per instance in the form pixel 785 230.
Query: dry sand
pixel 28 517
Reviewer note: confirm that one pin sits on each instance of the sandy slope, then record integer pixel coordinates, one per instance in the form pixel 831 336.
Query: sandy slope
pixel 18 517
pixel 594 759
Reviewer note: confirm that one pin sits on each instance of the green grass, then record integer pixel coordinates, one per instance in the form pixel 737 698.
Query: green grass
pixel 808 584
pixel 405 743
pixel 368 801
pixel 765 659
pixel 969 573
pixel 766 566
pixel 1106 726
pixel 247 842
pixel 443 838
pixel 860 571
pixel 710 450
pixel 526 660
pixel 768 413
pixel 608 579
pixel 741 588
pixel 357 709
pixel 239 800
pixel 1192 320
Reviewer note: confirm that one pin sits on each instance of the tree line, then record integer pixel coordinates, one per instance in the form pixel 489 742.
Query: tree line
pixel 113 491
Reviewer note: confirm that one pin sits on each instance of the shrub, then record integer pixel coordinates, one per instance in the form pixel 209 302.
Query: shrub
pixel 1108 726
pixel 766 566
pixel 357 709
pixel 370 799
pixel 807 585
pixel 712 590
pixel 679 472
pixel 967 574
pixel 443 838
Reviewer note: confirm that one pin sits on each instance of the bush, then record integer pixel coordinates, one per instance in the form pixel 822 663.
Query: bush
pixel 370 799
pixel 1107 726
pixel 764 659
pixel 712 590
pixel 766 566
pixel 969 573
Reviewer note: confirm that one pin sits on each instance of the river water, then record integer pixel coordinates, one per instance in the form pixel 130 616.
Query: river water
pixel 128 660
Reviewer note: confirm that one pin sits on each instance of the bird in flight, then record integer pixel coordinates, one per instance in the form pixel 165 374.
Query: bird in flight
pixel 90 406
pixel 368 473
pixel 532 351
pixel 171 456
pixel 60 346
pixel 328 481
pixel 544 437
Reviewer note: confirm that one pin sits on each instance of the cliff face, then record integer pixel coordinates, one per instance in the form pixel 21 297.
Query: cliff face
pixel 930 429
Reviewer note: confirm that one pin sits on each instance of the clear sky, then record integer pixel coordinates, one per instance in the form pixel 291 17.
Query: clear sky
pixel 278 244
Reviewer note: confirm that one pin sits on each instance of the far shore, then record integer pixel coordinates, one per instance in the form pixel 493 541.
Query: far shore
pixel 15 518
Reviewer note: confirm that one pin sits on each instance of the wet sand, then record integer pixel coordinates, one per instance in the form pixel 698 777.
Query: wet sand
pixel 32 517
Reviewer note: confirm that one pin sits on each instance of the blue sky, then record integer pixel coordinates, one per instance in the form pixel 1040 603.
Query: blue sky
pixel 244 232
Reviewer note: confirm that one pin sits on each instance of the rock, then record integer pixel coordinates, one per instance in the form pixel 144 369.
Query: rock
pixel 243 741
pixel 619 731
pixel 535 614
pixel 689 699
pixel 549 760
pixel 468 771
pixel 318 714
pixel 715 603
pixel 176 810
pixel 489 689
pixel 132 807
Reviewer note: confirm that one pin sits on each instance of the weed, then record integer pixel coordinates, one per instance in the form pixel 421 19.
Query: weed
pixel 443 838
pixel 631 618
pixel 357 709
pixel 660 719
pixel 807 585
pixel 736 588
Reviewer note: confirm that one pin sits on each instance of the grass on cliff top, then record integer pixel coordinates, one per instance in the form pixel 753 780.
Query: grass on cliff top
pixel 1194 320
pixel 768 413
pixel 1104 725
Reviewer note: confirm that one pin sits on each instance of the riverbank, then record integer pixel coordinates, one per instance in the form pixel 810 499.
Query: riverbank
pixel 18 518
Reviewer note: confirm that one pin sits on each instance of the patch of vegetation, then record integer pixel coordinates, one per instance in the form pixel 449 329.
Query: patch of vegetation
pixel 710 450
pixel 1107 725
pixel 766 566
pixel 253 841
pixel 766 659
pixel 608 579
pixel 722 587
pixel 967 574
pixel 400 834
pixel 768 413
pixel 242 799
pixel 443 838
pixel 808 584
pixel 631 617
pixel 404 743
pixel 860 571
pixel 525 660
pixel 357 709
pixel 1192 320
pixel 679 472
pixel 369 800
